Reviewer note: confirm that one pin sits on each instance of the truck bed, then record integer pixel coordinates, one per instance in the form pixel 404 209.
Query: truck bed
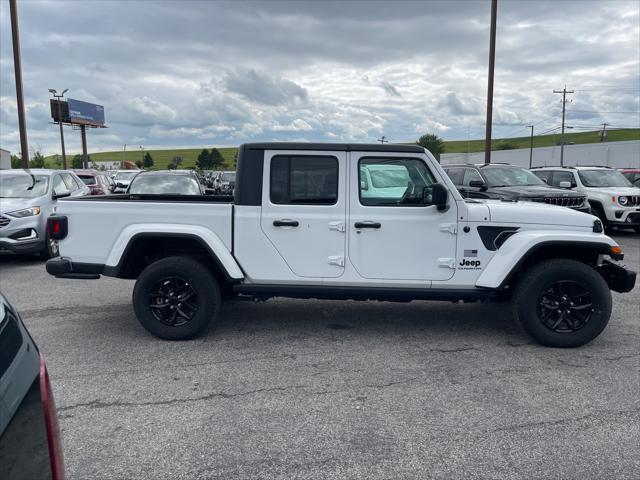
pixel 100 226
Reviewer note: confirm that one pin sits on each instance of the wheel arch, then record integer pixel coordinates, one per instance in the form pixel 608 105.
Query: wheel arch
pixel 143 248
pixel 504 269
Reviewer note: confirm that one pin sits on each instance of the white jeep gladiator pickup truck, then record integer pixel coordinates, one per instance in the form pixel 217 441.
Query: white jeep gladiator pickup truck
pixel 343 221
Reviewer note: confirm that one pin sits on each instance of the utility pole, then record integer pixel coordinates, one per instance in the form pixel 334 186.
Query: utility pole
pixel 124 156
pixel 531 147
pixel 564 92
pixel 603 132
pixel 17 65
pixel 492 61
pixel 83 136
pixel 58 98
pixel 383 140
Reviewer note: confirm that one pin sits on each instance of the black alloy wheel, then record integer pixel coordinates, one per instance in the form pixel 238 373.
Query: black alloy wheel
pixel 173 301
pixel 565 306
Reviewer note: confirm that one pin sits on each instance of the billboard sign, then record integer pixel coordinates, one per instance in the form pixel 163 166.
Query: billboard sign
pixel 84 113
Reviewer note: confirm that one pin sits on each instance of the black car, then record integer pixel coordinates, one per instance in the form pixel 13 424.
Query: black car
pixel 511 183
pixel 30 444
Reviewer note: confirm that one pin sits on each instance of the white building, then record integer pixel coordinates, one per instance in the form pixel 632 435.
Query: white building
pixel 5 159
pixel 609 154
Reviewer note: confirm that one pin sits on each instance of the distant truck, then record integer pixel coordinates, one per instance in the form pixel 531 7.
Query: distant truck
pixel 344 221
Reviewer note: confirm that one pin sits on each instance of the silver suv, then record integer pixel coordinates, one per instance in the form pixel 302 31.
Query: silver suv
pixel 27 198
pixel 614 200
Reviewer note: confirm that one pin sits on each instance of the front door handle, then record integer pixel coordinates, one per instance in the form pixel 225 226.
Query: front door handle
pixel 285 223
pixel 367 225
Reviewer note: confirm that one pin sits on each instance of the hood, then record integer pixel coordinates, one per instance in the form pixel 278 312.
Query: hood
pixel 13 204
pixel 536 191
pixel 537 213
pixel 625 191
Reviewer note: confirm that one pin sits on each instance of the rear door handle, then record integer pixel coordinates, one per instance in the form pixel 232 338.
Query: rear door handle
pixel 367 225
pixel 285 223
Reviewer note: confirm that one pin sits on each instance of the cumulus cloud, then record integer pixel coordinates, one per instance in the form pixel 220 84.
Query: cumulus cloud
pixel 219 73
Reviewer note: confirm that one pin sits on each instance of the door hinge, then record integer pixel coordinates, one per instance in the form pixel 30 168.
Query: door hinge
pixel 337 260
pixel 337 226
pixel 447 263
pixel 451 228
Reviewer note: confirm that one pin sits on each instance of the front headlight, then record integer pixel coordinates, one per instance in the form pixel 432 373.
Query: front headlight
pixel 25 212
pixel 623 201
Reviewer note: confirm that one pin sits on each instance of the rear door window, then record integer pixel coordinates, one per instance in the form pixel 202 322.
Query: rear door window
pixel 455 174
pixel 300 180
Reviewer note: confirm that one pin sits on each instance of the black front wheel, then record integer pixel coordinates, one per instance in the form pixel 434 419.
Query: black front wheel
pixel 176 298
pixel 562 303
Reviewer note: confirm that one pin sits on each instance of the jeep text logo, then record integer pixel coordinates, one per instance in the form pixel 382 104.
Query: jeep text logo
pixel 466 264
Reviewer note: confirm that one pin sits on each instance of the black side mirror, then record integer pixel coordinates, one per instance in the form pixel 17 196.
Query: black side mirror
pixel 478 184
pixel 209 191
pixel 437 194
pixel 120 185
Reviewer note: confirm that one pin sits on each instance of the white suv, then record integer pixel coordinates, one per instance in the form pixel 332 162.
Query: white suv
pixel 612 197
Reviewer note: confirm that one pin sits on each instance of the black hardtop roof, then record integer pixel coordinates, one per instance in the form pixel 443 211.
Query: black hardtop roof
pixel 334 147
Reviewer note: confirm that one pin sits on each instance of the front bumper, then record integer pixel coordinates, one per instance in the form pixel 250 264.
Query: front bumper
pixel 23 235
pixel 618 277
pixel 625 218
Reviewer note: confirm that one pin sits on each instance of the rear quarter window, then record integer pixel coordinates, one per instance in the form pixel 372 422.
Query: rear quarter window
pixel 10 342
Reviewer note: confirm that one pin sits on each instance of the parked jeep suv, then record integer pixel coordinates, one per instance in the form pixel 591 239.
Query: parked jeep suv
pixel 614 200
pixel 509 182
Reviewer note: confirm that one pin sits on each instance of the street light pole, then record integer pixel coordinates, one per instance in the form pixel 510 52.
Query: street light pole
pixel 492 61
pixel 59 101
pixel 124 156
pixel 17 65
pixel 531 146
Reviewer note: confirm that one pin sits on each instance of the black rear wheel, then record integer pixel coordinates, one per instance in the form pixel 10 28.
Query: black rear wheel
pixel 562 303
pixel 176 298
pixel 50 249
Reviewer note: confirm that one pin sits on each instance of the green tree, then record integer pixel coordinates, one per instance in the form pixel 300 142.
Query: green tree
pixel 37 161
pixel 76 161
pixel 433 143
pixel 171 166
pixel 217 160
pixel 507 146
pixel 235 159
pixel 139 163
pixel 205 160
pixel 16 162
pixel 175 162
pixel 148 161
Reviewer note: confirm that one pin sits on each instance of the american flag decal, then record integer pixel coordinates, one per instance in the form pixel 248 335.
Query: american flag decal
pixel 471 253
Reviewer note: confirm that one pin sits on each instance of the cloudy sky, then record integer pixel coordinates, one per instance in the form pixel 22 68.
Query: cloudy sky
pixel 204 73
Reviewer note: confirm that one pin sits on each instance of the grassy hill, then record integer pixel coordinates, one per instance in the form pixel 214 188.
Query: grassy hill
pixel 460 146
pixel 162 158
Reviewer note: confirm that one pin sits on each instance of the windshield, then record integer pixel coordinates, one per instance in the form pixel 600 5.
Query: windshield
pixel 508 177
pixel 165 185
pixel 228 177
pixel 88 180
pixel 22 186
pixel 603 178
pixel 125 175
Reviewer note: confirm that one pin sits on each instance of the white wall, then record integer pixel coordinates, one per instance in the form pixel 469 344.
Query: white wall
pixel 5 159
pixel 613 154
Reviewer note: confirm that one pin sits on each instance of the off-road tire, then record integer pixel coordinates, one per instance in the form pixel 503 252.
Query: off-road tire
pixel 535 282
pixel 198 278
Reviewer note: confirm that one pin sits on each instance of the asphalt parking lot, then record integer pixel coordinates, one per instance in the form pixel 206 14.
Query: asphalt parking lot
pixel 320 389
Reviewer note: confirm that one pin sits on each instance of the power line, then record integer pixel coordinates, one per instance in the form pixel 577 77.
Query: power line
pixel 599 111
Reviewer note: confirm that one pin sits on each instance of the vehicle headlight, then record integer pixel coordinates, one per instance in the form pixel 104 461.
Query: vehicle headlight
pixel 25 212
pixel 623 201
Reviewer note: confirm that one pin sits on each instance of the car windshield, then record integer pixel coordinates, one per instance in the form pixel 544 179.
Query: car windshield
pixel 228 177
pixel 603 178
pixel 23 186
pixel 508 177
pixel 165 185
pixel 125 175
pixel 88 180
